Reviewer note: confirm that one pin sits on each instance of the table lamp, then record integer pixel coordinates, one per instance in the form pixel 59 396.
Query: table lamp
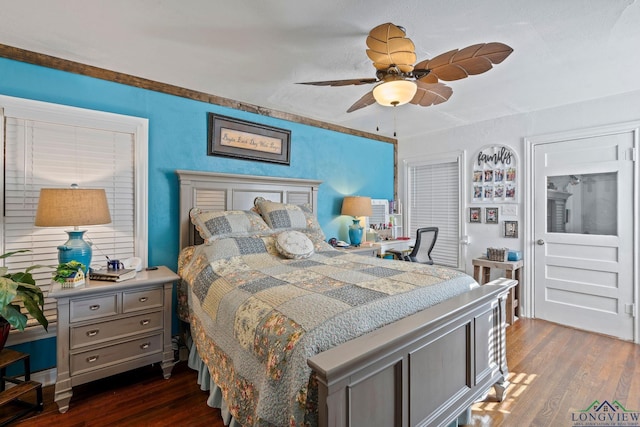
pixel 73 206
pixel 356 206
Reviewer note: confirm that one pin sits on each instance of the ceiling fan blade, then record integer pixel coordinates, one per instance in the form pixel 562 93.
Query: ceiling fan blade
pixel 429 78
pixel 388 45
pixel 459 64
pixel 365 101
pixel 431 94
pixel 403 62
pixel 496 52
pixel 341 82
pixel 391 45
pixel 386 31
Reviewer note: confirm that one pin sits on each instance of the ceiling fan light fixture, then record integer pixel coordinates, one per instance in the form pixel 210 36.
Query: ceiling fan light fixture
pixel 399 78
pixel 395 92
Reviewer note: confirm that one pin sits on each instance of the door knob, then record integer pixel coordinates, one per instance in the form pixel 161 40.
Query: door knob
pixel 540 242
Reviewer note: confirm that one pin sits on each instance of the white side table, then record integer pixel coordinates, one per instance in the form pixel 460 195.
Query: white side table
pixel 105 328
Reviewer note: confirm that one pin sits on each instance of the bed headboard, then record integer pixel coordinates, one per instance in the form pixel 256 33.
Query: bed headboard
pixel 223 191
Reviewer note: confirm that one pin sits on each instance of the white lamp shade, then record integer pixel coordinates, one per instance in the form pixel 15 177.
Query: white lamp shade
pixel 394 92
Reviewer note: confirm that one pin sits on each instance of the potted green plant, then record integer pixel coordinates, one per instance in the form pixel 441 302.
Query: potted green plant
pixel 19 285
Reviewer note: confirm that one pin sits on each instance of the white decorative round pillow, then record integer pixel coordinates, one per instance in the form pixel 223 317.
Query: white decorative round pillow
pixel 294 245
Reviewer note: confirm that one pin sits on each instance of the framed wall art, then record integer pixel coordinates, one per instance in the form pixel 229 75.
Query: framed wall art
pixel 491 215
pixel 511 229
pixel 230 137
pixel 495 175
pixel 475 214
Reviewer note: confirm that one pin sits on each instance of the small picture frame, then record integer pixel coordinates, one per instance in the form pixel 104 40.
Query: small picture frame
pixel 491 215
pixel 511 229
pixel 475 215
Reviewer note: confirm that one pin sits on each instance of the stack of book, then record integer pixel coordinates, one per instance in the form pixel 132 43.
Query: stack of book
pixel 113 275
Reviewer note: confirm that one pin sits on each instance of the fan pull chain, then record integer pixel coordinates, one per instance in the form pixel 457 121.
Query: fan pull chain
pixel 395 120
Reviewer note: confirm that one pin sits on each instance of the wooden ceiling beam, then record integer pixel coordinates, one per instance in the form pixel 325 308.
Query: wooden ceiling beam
pixel 48 61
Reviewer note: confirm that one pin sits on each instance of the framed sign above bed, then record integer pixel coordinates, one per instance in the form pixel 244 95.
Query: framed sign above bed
pixel 230 137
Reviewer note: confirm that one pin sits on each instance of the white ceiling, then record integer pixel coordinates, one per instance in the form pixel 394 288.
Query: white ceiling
pixel 254 51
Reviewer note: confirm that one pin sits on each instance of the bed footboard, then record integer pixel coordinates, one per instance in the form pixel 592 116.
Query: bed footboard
pixel 426 369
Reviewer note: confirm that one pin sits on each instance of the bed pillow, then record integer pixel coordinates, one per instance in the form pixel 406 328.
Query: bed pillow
pixel 294 245
pixel 229 247
pixel 287 215
pixel 214 225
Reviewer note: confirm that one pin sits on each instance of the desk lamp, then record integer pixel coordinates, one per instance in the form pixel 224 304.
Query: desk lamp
pixel 356 206
pixel 73 206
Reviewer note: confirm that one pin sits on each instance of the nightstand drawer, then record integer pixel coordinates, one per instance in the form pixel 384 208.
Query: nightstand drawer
pixel 102 357
pixel 96 333
pixel 142 300
pixel 93 308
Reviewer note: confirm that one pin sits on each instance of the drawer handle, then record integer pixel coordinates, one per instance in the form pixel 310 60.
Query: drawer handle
pixel 94 307
pixel 145 345
pixel 145 322
pixel 143 299
pixel 93 333
pixel 92 359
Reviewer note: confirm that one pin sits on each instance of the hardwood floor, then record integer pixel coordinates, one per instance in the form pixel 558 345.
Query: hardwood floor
pixel 554 372
pixel 136 398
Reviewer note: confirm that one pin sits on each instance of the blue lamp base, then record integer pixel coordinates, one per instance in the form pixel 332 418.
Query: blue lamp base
pixel 75 249
pixel 355 233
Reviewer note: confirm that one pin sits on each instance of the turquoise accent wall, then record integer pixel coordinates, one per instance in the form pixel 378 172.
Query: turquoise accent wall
pixel 346 164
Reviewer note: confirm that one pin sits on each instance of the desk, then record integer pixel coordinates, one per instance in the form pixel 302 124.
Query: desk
pixel 395 245
pixel 482 274
pixel 360 250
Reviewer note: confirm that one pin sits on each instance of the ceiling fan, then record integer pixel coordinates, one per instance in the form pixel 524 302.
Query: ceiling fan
pixel 401 82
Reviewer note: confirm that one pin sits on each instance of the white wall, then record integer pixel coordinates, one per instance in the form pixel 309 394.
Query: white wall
pixel 511 131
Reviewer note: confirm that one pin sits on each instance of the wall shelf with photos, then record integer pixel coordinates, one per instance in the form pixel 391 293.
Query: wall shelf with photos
pixel 494 178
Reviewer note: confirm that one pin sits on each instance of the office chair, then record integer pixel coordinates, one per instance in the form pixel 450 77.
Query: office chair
pixel 425 241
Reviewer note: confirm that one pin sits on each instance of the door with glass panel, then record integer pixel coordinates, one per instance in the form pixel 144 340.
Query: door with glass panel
pixel 583 232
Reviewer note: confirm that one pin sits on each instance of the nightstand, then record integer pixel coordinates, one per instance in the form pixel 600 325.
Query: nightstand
pixel 105 328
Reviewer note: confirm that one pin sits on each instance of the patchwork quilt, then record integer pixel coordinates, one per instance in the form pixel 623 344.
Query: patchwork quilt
pixel 256 316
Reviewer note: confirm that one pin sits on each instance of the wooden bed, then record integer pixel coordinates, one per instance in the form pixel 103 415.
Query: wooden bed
pixel 425 369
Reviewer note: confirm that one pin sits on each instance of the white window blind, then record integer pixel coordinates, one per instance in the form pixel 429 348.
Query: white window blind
pixel 434 192
pixel 44 154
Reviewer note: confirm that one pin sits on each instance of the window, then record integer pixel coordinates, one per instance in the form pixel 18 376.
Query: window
pixel 48 146
pixel 434 196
